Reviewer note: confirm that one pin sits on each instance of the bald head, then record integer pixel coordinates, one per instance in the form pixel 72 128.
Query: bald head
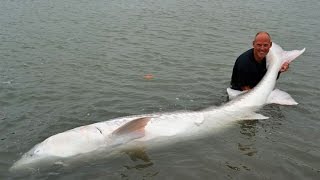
pixel 264 35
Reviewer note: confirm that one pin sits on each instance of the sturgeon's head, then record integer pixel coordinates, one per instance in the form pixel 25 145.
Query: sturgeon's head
pixel 32 159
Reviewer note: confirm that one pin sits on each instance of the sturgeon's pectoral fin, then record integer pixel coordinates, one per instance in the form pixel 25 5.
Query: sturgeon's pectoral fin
pixel 253 116
pixel 234 93
pixel 258 116
pixel 280 97
pixel 129 131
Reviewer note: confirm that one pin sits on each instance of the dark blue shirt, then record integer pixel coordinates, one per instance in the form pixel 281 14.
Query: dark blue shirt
pixel 247 71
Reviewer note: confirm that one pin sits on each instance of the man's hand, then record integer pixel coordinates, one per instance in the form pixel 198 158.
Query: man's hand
pixel 284 67
pixel 245 88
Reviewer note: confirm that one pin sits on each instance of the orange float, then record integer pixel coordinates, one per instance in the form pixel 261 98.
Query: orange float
pixel 148 76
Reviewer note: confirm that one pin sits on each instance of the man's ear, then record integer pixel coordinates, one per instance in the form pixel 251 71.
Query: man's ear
pixel 271 44
pixel 252 43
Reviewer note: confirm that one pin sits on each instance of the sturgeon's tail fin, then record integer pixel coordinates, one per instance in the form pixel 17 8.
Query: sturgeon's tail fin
pixel 289 56
pixel 277 96
pixel 286 56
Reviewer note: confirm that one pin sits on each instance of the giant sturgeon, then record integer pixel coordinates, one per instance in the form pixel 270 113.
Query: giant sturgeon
pixel 147 128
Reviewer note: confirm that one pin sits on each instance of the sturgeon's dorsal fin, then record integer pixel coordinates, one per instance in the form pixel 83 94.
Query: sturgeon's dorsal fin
pixel 136 125
pixel 129 131
pixel 280 97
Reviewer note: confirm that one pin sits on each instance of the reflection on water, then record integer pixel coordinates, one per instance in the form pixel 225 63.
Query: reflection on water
pixel 249 129
pixel 140 162
pixel 237 167
pixel 136 155
pixel 247 149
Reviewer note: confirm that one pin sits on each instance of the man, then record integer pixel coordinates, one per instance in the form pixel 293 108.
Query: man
pixel 250 67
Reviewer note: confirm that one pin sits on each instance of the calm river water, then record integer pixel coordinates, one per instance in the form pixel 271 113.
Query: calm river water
pixel 65 64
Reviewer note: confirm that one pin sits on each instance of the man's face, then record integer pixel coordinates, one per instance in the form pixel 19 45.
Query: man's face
pixel 261 46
